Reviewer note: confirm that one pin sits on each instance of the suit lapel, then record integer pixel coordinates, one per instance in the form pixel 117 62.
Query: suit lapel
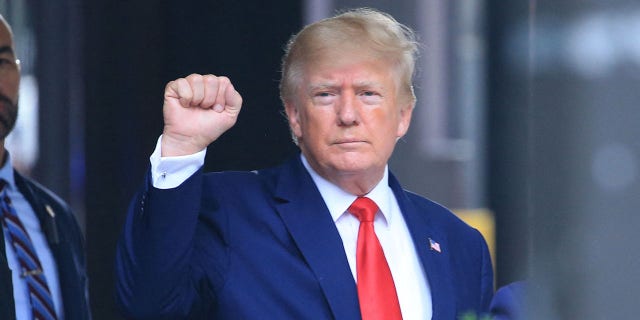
pixel 7 303
pixel 43 211
pixel 60 249
pixel 436 264
pixel 308 220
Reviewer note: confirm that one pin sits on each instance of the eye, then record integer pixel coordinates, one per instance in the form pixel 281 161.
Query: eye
pixel 323 97
pixel 370 97
pixel 6 63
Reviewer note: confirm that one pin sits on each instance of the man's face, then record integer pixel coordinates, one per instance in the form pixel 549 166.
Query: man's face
pixel 347 115
pixel 9 81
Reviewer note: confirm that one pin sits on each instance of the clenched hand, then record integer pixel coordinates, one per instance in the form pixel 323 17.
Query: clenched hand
pixel 197 110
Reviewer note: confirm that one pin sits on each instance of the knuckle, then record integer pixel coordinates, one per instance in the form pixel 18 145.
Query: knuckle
pixel 209 77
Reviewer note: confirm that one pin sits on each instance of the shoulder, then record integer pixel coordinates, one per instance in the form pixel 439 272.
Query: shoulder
pixel 287 172
pixel 46 201
pixel 429 216
pixel 437 214
pixel 509 301
pixel 35 190
pixel 427 209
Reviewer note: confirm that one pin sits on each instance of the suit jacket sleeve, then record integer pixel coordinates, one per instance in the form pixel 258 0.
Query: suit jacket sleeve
pixel 509 302
pixel 154 276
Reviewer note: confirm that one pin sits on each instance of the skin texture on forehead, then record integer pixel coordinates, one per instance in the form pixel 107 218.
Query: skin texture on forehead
pixel 6 35
pixel 333 57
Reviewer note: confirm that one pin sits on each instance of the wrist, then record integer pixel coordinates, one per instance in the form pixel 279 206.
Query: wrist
pixel 171 146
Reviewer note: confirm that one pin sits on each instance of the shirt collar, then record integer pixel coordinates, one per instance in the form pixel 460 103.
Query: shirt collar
pixel 6 172
pixel 338 200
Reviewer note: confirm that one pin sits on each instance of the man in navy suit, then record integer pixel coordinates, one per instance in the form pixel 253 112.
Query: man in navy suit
pixel 51 228
pixel 279 243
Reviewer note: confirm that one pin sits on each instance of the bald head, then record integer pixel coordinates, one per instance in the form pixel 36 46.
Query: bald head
pixel 9 80
pixel 4 23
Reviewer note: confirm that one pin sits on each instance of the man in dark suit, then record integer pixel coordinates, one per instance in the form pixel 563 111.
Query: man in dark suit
pixel 42 242
pixel 329 234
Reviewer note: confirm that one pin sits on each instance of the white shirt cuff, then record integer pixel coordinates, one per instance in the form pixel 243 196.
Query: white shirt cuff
pixel 170 172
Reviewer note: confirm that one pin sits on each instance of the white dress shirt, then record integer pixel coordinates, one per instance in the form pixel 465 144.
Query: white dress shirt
pixel 409 277
pixel 32 225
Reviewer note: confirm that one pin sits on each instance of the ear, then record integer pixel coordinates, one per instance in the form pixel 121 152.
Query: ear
pixel 405 119
pixel 294 118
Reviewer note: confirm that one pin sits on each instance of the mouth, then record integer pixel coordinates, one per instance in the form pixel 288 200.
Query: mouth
pixel 349 142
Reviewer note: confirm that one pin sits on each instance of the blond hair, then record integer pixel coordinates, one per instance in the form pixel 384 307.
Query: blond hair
pixel 366 29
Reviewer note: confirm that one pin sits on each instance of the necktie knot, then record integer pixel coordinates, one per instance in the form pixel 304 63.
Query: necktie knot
pixel 364 209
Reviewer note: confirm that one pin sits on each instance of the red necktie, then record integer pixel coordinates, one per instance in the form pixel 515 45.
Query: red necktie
pixel 376 291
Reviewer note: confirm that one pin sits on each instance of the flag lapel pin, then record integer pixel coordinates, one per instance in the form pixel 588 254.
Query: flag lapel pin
pixel 433 245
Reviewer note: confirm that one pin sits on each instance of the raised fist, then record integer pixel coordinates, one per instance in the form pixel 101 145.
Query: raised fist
pixel 197 110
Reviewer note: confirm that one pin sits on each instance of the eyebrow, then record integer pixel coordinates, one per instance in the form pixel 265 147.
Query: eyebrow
pixel 333 84
pixel 6 49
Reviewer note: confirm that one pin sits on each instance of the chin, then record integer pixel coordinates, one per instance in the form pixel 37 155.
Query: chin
pixel 352 166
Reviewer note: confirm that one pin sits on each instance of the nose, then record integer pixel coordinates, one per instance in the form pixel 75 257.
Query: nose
pixel 347 111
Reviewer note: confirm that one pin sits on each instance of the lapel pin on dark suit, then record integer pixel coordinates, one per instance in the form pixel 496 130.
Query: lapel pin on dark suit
pixel 50 211
pixel 433 245
pixel 51 226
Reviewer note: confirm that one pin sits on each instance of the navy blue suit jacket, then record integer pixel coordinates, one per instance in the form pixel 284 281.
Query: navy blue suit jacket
pixel 510 301
pixel 66 243
pixel 262 245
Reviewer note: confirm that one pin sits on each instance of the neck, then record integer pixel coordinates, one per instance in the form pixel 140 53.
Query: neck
pixel 358 184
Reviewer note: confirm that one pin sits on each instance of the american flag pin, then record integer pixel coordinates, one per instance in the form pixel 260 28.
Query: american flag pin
pixel 434 246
